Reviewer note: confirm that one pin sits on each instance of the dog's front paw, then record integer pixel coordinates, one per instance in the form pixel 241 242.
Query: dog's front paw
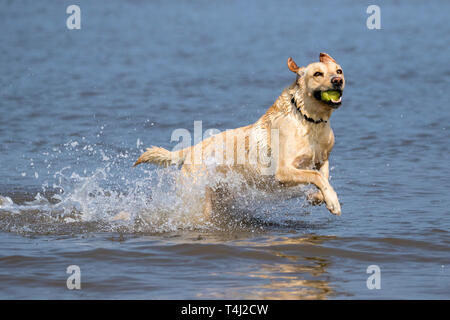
pixel 315 198
pixel 332 203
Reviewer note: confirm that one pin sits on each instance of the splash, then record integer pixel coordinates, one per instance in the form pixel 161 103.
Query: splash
pixel 117 198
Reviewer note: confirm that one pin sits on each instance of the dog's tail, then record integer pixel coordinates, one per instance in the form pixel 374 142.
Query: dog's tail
pixel 162 157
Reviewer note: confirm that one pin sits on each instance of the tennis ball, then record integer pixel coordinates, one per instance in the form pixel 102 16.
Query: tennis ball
pixel 330 95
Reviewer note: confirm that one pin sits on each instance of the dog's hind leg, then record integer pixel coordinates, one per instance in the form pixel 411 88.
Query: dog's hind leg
pixel 208 204
pixel 218 201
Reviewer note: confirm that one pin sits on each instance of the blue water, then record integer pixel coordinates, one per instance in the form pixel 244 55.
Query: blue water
pixel 77 107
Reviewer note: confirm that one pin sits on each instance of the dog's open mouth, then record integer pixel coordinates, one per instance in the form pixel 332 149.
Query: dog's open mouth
pixel 333 98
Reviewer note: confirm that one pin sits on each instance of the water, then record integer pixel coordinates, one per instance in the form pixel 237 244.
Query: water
pixel 78 107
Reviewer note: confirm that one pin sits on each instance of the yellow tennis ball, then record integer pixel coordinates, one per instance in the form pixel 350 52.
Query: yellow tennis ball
pixel 330 95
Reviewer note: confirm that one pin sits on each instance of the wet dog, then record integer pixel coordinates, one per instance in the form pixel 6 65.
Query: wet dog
pixel 289 145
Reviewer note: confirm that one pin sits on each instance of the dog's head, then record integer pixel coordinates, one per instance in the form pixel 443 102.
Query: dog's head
pixel 322 80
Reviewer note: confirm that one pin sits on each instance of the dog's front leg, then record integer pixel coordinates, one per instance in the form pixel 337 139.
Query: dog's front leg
pixel 325 169
pixel 317 197
pixel 290 175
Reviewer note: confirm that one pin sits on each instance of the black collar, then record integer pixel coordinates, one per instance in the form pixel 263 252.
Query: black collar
pixel 305 116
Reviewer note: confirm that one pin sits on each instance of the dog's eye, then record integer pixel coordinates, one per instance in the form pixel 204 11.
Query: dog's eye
pixel 339 71
pixel 318 74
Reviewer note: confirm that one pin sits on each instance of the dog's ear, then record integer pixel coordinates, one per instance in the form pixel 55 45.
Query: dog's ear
pixel 293 66
pixel 325 58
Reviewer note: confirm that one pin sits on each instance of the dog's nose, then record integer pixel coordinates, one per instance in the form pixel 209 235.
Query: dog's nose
pixel 337 81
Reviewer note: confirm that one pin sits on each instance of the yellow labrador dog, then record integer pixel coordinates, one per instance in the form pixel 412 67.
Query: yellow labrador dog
pixel 289 145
